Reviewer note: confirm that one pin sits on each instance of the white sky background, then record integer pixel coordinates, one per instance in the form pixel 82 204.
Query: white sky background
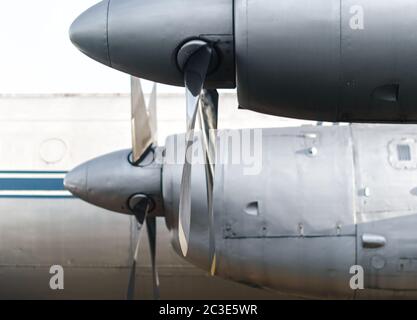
pixel 37 56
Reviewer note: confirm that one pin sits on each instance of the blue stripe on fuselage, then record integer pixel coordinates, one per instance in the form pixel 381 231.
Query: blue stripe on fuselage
pixel 16 184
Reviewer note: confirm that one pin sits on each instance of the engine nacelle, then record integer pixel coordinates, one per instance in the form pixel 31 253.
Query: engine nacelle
pixel 306 205
pixel 323 60
pixel 348 61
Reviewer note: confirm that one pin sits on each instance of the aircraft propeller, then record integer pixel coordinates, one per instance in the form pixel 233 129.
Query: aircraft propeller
pixel 144 133
pixel 195 58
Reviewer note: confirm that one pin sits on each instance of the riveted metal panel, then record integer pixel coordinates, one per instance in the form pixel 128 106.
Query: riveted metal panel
pixel 309 267
pixel 386 206
pixel 305 186
pixel 394 265
pixel 385 187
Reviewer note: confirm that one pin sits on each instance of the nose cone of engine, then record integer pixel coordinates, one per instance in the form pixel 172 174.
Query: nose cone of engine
pixel 76 181
pixel 110 181
pixel 142 38
pixel 89 32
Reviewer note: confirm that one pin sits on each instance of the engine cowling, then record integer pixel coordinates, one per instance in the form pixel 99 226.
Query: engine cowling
pixel 322 60
pixel 311 204
pixel 328 60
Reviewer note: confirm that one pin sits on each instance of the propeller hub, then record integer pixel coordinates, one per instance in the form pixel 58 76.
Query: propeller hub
pixel 89 33
pixel 111 182
pixel 190 48
pixel 142 38
pixel 76 181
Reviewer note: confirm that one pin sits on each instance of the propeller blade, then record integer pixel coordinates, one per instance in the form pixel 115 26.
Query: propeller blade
pixel 208 122
pixel 195 73
pixel 141 212
pixel 142 137
pixel 152 110
pixel 132 276
pixel 151 228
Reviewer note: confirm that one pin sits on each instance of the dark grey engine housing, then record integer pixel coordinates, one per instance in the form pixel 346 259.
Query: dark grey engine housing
pixel 348 60
pixel 328 60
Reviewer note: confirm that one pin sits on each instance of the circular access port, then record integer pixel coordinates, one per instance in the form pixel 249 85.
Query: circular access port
pixel 52 150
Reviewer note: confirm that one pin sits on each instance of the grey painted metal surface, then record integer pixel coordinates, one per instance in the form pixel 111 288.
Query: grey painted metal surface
pixel 131 42
pixel 287 57
pixel 316 60
pixel 323 60
pixel 389 208
pixel 320 204
pixel 97 180
pixel 312 213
